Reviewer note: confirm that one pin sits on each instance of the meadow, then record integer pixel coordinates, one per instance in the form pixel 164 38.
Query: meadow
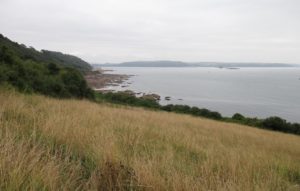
pixel 70 144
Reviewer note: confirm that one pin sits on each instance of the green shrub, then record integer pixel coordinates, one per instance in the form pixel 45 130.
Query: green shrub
pixel 274 123
pixel 128 99
pixel 278 124
pixel 238 117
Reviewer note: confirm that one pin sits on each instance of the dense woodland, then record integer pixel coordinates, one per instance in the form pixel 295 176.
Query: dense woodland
pixel 48 73
pixel 44 56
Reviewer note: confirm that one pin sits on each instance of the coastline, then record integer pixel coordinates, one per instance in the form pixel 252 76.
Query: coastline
pixel 99 79
pixel 218 98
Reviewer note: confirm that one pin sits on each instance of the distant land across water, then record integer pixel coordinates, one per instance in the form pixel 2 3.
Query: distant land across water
pixel 193 64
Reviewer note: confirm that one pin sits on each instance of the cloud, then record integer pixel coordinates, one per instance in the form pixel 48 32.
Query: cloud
pixel 191 30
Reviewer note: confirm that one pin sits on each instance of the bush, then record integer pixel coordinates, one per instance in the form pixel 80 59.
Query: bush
pixel 278 124
pixel 274 123
pixel 238 117
pixel 128 99
pixel 192 110
pixel 53 68
pixel 215 115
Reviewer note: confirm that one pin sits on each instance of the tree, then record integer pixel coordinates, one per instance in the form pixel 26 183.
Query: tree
pixel 53 68
pixel 275 123
pixel 238 117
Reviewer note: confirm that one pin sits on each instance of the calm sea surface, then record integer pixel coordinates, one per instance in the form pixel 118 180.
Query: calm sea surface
pixel 253 92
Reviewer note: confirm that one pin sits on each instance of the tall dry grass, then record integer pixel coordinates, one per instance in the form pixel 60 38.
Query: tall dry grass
pixel 50 144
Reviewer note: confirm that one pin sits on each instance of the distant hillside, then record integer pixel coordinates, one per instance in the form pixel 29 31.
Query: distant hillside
pixel 153 64
pixel 146 64
pixel 194 64
pixel 46 56
pixel 239 65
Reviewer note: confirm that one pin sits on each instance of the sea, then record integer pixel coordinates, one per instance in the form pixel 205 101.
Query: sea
pixel 252 92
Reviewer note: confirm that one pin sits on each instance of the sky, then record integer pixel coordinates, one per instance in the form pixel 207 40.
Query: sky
pixel 101 31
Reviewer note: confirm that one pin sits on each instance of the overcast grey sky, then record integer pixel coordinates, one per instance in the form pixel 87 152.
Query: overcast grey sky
pixel 187 30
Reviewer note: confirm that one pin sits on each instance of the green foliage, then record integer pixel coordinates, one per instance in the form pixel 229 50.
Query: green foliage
pixel 271 123
pixel 75 84
pixel 274 123
pixel 238 116
pixel 128 99
pixel 278 124
pixel 66 60
pixel 44 56
pixel 50 79
pixel 192 110
pixel 53 68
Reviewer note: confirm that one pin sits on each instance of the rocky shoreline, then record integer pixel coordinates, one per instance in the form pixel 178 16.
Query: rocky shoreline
pixel 99 79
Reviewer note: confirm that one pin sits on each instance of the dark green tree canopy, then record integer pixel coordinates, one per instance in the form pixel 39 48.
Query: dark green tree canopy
pixel 48 78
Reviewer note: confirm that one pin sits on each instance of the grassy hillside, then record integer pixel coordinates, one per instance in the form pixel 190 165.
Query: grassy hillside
pixel 51 144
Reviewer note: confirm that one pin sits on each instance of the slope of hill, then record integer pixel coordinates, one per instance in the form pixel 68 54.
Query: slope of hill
pixel 32 71
pixel 44 55
pixel 51 144
pixel 67 60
